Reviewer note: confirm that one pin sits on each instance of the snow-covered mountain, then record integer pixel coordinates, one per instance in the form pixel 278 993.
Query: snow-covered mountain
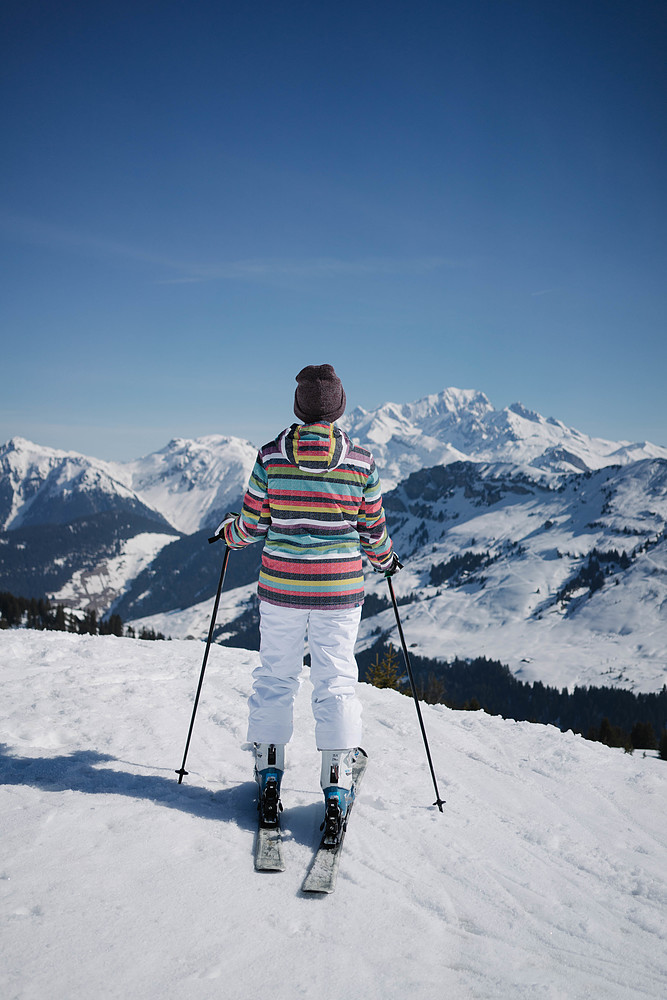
pixel 462 425
pixel 81 530
pixel 496 513
pixel 193 483
pixel 47 486
pixel 544 877
pixel 185 485
pixel 190 482
pixel 561 577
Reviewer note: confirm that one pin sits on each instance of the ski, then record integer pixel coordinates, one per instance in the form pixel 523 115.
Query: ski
pixel 269 850
pixel 268 843
pixel 323 871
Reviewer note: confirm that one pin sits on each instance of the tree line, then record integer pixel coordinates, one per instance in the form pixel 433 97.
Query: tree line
pixel 613 716
pixel 39 613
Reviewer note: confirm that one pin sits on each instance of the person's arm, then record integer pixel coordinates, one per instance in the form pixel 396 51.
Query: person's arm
pixel 253 522
pixel 372 526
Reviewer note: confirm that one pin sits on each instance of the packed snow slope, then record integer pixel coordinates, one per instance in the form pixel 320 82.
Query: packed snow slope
pixel 544 877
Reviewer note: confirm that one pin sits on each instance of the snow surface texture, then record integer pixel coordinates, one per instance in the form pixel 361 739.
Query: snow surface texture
pixel 545 877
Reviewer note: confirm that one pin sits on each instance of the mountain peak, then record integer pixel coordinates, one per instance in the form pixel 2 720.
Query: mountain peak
pixel 463 425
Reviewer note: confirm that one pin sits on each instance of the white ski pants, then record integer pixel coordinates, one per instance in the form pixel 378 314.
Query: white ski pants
pixel 333 670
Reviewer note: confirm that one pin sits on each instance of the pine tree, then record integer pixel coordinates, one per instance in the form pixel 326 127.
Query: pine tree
pixel 89 624
pixel 613 736
pixel 384 673
pixel 663 745
pixel 112 626
pixel 643 736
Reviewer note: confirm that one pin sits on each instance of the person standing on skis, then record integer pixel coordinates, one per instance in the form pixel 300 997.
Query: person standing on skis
pixel 315 499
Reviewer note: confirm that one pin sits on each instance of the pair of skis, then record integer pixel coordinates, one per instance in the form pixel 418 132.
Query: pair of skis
pixel 323 871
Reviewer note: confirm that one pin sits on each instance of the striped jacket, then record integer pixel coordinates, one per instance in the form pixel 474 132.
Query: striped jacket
pixel 315 498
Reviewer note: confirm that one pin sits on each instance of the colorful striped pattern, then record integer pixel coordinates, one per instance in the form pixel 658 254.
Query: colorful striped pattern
pixel 315 498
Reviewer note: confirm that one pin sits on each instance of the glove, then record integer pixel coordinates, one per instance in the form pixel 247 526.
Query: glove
pixel 228 518
pixel 393 566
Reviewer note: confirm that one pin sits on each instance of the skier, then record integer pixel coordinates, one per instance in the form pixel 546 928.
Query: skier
pixel 315 499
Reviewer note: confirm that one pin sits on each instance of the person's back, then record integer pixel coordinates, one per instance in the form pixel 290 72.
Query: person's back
pixel 315 499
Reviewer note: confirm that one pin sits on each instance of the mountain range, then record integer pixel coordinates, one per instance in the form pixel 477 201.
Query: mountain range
pixel 522 538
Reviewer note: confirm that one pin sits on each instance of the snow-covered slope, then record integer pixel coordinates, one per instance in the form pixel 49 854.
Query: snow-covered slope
pixel 502 564
pixel 461 424
pixel 193 482
pixel 528 593
pixel 46 486
pixel 188 483
pixel 544 877
pixel 98 587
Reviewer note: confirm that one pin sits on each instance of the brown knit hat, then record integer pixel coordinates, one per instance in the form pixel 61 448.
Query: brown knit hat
pixel 319 395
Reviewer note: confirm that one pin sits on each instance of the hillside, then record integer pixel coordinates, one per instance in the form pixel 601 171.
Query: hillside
pixel 543 877
pixel 82 531
pixel 462 425
pixel 523 540
pixel 561 577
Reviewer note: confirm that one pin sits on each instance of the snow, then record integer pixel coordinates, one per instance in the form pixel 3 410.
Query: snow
pixel 189 482
pixel 539 537
pixel 99 587
pixel 192 481
pixel 545 877
pixel 462 425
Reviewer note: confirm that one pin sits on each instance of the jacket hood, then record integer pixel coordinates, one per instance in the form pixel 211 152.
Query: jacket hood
pixel 318 447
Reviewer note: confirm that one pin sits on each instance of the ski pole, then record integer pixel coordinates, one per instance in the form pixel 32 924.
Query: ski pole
pixel 181 772
pixel 438 801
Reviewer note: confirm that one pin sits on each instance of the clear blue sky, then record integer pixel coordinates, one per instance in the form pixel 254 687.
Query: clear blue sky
pixel 199 198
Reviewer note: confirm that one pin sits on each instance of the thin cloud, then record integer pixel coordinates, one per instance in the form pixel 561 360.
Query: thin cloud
pixel 258 269
pixel 44 234
pixel 253 269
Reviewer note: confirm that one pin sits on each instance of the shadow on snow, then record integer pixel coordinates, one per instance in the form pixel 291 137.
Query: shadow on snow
pixel 80 772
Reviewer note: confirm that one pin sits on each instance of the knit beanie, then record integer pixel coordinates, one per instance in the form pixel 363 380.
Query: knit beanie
pixel 319 395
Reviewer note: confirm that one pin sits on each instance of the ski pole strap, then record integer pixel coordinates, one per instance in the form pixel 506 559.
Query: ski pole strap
pixel 394 568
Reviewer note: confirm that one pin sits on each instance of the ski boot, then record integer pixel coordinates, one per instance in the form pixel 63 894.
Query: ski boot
pixel 269 767
pixel 336 782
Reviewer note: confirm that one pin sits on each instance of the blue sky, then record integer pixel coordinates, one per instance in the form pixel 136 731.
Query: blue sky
pixel 199 198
